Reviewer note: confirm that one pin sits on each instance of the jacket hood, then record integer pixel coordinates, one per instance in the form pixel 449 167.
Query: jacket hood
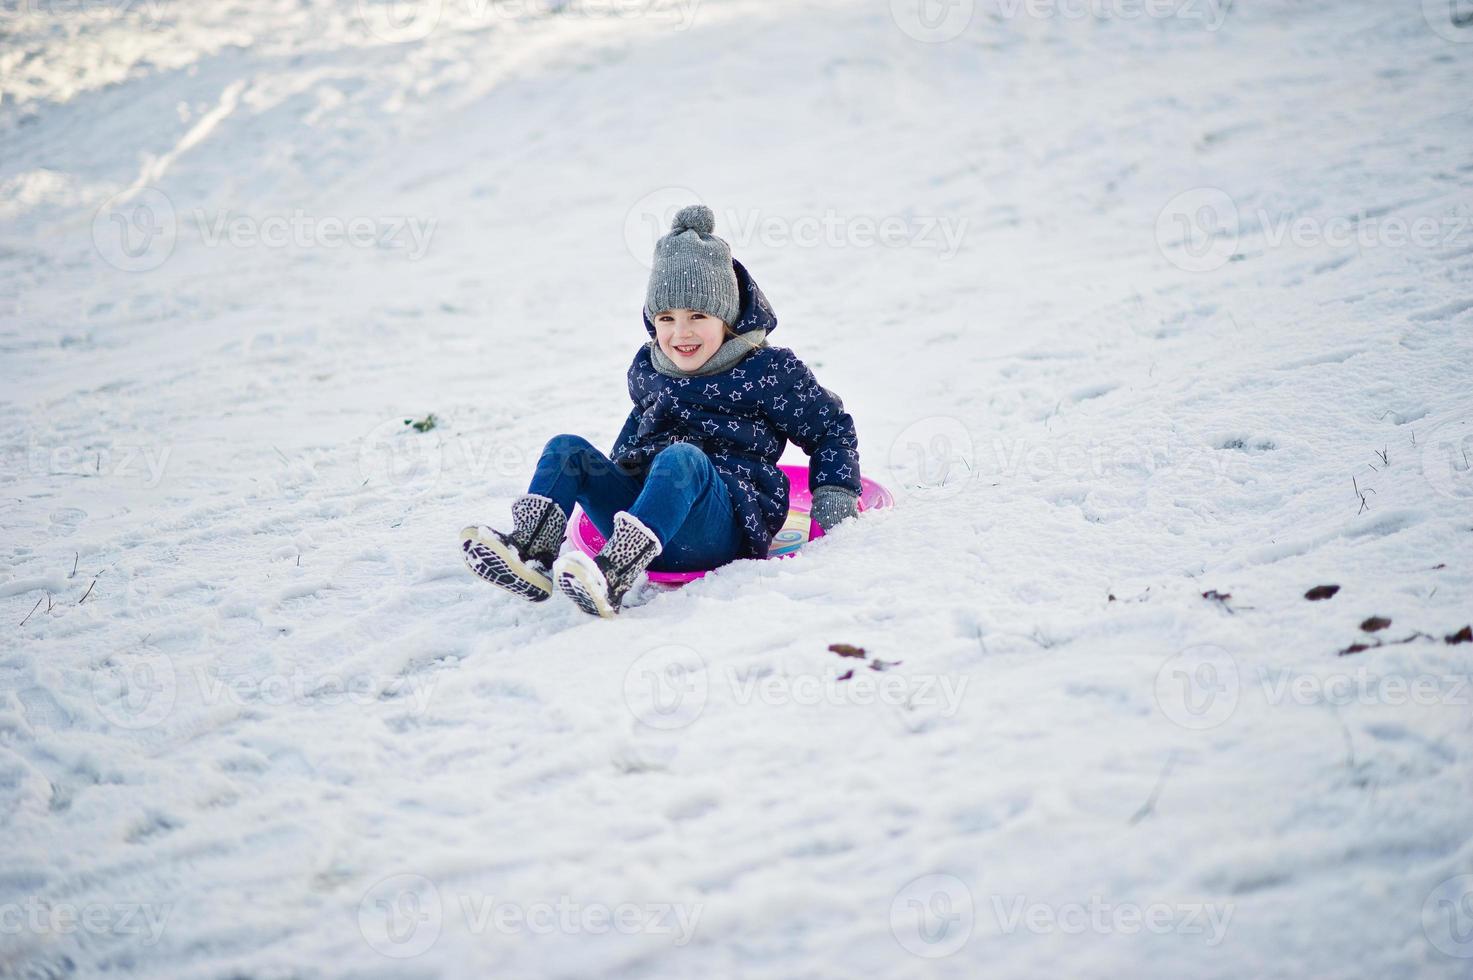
pixel 755 312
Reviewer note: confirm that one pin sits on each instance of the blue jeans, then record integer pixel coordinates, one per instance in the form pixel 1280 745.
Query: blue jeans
pixel 682 499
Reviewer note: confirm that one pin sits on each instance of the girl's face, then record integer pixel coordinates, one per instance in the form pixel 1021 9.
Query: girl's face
pixel 688 337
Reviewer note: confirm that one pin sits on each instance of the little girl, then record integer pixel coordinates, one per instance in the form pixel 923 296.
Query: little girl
pixel 693 480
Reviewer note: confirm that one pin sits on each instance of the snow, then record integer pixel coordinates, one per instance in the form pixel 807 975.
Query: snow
pixel 1122 305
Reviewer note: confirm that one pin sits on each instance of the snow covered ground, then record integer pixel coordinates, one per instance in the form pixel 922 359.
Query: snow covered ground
pixel 1155 316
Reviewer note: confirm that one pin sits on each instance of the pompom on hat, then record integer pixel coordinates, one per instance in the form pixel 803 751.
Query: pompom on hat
pixel 693 270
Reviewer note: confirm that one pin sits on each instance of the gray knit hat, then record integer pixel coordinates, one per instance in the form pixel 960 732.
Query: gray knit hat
pixel 693 269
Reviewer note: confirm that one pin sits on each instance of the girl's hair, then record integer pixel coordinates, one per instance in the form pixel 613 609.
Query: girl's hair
pixel 733 335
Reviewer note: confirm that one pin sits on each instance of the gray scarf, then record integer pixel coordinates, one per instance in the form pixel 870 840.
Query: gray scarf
pixel 725 358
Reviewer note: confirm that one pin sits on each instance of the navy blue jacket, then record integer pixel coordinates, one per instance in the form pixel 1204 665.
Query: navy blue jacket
pixel 743 418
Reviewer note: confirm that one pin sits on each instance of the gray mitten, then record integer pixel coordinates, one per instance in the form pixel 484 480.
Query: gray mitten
pixel 832 505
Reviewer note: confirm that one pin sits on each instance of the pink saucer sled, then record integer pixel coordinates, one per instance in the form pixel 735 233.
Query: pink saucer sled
pixel 798 529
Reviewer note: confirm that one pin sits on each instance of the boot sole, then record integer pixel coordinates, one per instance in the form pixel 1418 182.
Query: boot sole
pixel 492 560
pixel 584 586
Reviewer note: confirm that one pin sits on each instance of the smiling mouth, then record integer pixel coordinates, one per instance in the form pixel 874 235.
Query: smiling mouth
pixel 686 350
